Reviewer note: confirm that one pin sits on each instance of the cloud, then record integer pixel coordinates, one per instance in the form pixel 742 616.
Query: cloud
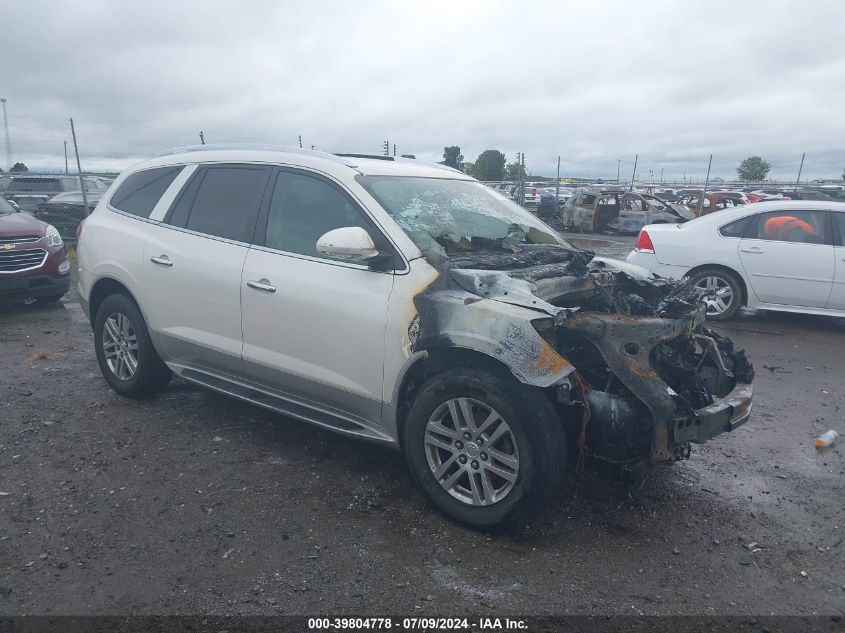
pixel 591 81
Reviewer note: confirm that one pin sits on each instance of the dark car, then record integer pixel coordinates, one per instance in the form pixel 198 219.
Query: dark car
pixel 33 258
pixel 29 191
pixel 66 211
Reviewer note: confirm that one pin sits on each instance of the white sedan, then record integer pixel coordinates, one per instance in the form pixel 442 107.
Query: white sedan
pixel 779 255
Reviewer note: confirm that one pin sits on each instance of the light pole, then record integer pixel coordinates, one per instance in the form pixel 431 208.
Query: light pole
pixel 618 165
pixel 8 140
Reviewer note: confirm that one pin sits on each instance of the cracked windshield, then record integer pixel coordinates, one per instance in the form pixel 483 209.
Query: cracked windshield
pixel 444 216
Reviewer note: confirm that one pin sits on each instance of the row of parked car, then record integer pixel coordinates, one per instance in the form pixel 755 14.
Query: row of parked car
pixel 57 200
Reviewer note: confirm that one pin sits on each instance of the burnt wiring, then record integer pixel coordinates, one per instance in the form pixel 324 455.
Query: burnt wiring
pixel 581 464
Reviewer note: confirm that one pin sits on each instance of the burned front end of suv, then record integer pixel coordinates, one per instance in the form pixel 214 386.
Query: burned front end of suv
pixel 636 375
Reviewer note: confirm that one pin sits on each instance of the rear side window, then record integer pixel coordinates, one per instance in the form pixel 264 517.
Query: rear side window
pixel 227 202
pixel 140 192
pixel 736 228
pixel 36 185
pixel 808 227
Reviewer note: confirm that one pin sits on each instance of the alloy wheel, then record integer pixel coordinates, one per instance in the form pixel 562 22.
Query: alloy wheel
pixel 120 346
pixel 718 294
pixel 471 451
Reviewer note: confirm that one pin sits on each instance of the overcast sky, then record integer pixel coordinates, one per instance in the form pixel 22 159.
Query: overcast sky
pixel 592 81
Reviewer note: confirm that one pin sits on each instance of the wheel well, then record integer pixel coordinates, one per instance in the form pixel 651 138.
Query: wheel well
pixel 726 269
pixel 102 289
pixel 438 360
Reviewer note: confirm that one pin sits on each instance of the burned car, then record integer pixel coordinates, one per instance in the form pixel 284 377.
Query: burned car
pixel 715 201
pixel 619 211
pixel 405 304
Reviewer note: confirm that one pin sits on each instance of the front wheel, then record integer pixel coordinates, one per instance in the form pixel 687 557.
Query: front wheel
pixel 486 450
pixel 125 353
pixel 722 292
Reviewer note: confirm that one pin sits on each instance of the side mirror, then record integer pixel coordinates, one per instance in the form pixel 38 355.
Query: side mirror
pixel 349 243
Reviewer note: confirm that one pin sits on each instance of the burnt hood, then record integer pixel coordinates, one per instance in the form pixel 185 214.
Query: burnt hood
pixel 599 285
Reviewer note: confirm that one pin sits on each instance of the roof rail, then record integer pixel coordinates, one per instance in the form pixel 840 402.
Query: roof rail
pixel 371 156
pixel 263 147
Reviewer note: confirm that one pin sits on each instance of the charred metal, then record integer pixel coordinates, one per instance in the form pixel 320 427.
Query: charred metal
pixel 631 351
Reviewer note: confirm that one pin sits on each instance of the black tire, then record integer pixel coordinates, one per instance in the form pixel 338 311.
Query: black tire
pixel 536 432
pixel 151 374
pixel 729 279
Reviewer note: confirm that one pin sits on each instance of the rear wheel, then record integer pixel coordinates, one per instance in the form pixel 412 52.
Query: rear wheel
pixel 485 449
pixel 126 355
pixel 722 292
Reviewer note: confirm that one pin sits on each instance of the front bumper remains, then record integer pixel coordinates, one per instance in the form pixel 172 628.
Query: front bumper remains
pixel 724 415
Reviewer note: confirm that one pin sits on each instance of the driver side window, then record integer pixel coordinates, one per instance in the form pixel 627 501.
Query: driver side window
pixel 302 209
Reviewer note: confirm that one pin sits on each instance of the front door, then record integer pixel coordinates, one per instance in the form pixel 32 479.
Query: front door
pixel 314 327
pixel 789 258
pixel 837 294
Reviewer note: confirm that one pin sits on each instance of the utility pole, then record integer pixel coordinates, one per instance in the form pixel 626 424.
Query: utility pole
pixel 394 150
pixel 79 168
pixel 706 182
pixel 66 169
pixel 300 141
pixel 618 166
pixel 661 175
pixel 634 175
pixel 8 140
pixel 799 170
pixel 202 138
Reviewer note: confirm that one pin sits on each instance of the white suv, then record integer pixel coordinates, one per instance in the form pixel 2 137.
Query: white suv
pixel 406 304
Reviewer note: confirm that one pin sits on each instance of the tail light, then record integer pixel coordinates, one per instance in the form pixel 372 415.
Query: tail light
pixel 644 244
pixel 8 196
pixel 79 230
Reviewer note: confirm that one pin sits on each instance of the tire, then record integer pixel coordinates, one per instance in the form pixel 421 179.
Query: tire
pixel 719 283
pixel 533 434
pixel 150 373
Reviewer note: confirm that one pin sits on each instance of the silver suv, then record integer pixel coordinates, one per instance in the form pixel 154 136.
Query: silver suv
pixel 405 304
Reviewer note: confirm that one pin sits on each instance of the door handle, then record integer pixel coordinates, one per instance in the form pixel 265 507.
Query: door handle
pixel 756 250
pixel 261 284
pixel 162 260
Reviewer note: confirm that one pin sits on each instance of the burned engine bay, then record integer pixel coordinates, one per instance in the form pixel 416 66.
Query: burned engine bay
pixel 635 373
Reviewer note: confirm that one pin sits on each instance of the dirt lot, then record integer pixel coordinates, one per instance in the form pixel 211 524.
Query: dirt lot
pixel 194 503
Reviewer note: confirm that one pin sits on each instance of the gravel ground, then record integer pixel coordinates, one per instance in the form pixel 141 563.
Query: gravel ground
pixel 194 503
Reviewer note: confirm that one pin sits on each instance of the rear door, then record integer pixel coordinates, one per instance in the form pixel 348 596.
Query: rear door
pixel 837 294
pixel 788 257
pixel 314 326
pixel 194 260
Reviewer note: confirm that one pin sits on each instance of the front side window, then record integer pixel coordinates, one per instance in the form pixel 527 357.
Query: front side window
pixel 227 201
pixel 809 227
pixel 839 218
pixel 141 191
pixel 446 217
pixel 303 209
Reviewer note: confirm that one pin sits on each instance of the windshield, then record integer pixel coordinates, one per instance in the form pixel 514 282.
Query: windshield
pixel 6 208
pixel 444 216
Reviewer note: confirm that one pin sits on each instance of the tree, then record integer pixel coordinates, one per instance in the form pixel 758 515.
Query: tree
pixel 469 169
pixel 452 157
pixel 19 167
pixel 490 165
pixel 753 169
pixel 513 172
